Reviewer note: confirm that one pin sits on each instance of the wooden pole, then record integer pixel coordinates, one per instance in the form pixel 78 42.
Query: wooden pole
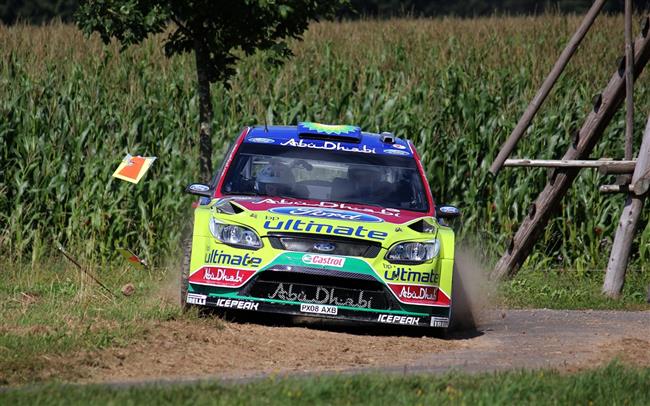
pixel 543 91
pixel 619 257
pixel 605 165
pixel 617 170
pixel 614 189
pixel 81 269
pixel 641 178
pixel 549 199
pixel 629 80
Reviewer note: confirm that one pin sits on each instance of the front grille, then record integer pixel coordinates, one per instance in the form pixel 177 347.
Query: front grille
pixel 322 272
pixel 339 246
pixel 321 289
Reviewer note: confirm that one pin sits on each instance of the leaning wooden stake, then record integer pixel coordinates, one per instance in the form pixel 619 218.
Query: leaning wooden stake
pixel 641 176
pixel 546 87
pixel 614 188
pixel 548 201
pixel 603 165
pixel 629 80
pixel 619 257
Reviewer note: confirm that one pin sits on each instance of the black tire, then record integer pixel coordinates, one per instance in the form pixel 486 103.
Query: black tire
pixel 185 269
pixel 461 317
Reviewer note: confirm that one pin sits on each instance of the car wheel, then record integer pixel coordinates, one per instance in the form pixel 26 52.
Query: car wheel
pixel 185 269
pixel 461 317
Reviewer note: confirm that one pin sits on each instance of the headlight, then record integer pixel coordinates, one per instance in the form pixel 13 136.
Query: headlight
pixel 234 235
pixel 414 251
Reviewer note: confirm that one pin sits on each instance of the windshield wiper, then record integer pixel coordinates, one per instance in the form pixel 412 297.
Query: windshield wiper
pixel 237 193
pixel 254 193
pixel 287 196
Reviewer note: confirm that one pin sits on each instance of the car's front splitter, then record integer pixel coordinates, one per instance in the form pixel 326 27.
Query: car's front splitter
pixel 437 316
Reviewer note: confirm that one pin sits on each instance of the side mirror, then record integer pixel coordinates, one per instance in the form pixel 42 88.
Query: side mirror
pixel 447 212
pixel 199 189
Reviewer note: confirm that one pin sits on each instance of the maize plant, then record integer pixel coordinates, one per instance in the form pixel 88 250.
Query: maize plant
pixel 71 108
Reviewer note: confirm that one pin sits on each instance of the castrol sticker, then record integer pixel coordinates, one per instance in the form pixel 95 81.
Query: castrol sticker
pixel 326 260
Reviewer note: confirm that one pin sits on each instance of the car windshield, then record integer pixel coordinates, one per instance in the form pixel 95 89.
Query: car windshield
pixel 371 179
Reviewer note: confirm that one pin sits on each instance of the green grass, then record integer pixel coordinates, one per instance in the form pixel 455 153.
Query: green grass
pixel 569 289
pixel 49 312
pixel 611 385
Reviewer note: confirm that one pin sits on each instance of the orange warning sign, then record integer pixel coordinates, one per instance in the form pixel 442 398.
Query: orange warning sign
pixel 133 168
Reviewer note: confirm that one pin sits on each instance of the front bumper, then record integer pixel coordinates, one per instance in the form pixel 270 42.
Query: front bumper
pixel 437 316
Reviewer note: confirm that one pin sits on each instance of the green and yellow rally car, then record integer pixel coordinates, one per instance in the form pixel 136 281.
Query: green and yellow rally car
pixel 325 221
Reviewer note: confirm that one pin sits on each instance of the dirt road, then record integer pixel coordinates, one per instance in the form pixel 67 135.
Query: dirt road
pixel 508 339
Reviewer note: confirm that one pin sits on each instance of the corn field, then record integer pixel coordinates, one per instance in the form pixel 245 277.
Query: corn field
pixel 71 108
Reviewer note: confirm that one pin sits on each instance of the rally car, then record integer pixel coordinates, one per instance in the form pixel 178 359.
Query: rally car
pixel 325 221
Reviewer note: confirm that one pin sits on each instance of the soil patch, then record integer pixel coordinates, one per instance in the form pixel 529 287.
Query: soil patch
pixel 508 339
pixel 187 349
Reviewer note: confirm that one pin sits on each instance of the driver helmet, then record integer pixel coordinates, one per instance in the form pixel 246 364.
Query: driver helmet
pixel 365 178
pixel 274 179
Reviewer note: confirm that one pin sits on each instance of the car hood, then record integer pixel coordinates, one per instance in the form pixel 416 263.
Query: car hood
pixel 272 216
pixel 351 212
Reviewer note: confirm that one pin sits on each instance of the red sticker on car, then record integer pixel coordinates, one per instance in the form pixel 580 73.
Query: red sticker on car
pixel 419 295
pixel 224 277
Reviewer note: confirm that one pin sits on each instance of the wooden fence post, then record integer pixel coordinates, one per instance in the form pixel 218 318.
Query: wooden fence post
pixel 549 199
pixel 629 80
pixel 619 257
pixel 546 87
pixel 620 254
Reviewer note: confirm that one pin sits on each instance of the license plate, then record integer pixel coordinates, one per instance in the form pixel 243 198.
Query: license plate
pixel 318 309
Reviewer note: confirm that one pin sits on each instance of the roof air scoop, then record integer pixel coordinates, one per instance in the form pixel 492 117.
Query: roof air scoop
pixel 387 138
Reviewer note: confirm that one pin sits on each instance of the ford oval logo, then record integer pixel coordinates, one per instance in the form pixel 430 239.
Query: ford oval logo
pixel 395 152
pixel 449 210
pixel 333 214
pixel 324 246
pixel 261 140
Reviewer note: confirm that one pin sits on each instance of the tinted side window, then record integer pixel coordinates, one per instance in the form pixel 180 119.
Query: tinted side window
pixel 219 172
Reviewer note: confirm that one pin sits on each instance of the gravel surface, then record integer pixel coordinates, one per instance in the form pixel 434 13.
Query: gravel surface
pixel 507 339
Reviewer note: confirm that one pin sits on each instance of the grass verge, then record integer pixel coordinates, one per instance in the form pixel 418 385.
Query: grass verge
pixel 54 320
pixel 52 311
pixel 569 289
pixel 614 384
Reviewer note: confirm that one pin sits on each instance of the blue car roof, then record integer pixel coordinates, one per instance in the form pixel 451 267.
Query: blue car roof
pixel 328 137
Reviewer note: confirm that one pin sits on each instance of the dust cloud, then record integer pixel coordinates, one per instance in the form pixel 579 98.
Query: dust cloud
pixel 472 292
